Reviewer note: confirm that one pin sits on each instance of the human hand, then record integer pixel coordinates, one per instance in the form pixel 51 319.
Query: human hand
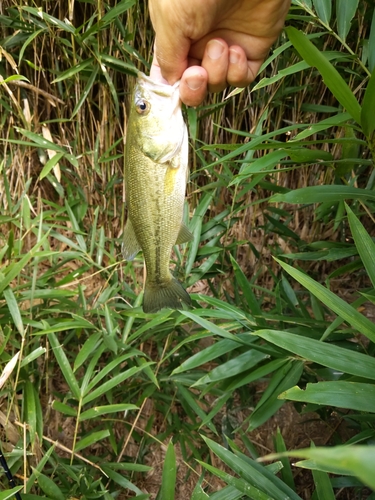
pixel 210 44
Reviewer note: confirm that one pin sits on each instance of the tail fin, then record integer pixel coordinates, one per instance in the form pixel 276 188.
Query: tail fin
pixel 169 294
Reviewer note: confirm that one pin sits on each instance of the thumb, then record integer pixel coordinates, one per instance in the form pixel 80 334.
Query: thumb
pixel 171 55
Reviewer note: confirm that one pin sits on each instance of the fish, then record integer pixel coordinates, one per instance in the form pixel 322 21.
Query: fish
pixel 156 175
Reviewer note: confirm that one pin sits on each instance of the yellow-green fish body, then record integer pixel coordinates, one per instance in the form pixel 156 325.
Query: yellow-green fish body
pixel 156 169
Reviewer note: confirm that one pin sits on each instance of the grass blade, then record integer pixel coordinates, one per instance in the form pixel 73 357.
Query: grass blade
pixel 331 76
pixel 335 303
pixel 332 356
pixel 353 395
pixel 64 364
pixel 168 481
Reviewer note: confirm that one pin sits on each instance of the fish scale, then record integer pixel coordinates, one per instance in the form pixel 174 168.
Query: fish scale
pixel 156 169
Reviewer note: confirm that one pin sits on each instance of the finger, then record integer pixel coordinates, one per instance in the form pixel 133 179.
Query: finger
pixel 241 72
pixel 171 55
pixel 193 86
pixel 155 72
pixel 215 62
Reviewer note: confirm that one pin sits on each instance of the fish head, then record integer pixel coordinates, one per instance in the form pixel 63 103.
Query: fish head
pixel 158 126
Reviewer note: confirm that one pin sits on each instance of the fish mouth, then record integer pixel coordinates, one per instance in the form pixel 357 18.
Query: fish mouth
pixel 159 88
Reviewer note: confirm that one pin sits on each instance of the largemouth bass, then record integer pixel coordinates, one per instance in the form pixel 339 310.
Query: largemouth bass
pixel 156 170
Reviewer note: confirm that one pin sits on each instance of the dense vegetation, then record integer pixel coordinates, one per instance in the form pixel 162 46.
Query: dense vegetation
pixel 99 400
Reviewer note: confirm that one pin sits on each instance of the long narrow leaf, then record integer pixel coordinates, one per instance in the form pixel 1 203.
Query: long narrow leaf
pixel 335 303
pixel 332 356
pixel 331 76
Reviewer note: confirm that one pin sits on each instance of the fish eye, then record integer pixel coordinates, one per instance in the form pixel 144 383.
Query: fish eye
pixel 142 107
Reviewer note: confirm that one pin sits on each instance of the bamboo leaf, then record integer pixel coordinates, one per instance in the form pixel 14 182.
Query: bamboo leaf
pixel 168 481
pixel 91 439
pixel 63 362
pixel 14 310
pixel 371 45
pixel 332 356
pixel 50 164
pixel 74 70
pixel 323 486
pixel 98 411
pixel 353 395
pixel 335 303
pixel 354 460
pixel 368 107
pixel 345 11
pixel 49 487
pixel 331 76
pixel 251 475
pixel 323 194
pixel 324 9
pixel 364 243
pixel 10 494
pixel 113 382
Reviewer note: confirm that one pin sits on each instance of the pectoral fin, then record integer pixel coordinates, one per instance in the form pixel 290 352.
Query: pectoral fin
pixel 130 246
pixel 184 235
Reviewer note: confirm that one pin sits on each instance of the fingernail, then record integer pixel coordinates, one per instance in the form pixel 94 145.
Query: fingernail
pixel 234 57
pixel 215 49
pixel 194 82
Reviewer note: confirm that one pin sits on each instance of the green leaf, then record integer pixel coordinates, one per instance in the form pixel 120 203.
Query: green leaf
pixel 322 194
pixel 50 488
pixel 237 364
pixel 331 76
pixel 364 243
pixel 211 327
pixel 91 344
pixel 30 410
pixel 168 481
pixel 97 411
pixel 5 495
pixel 238 485
pixel 122 481
pixel 91 439
pixel 284 378
pixel 286 471
pixel 371 45
pixel 354 460
pixel 251 475
pixel 14 310
pixel 332 356
pixel 50 164
pixel 74 70
pixel 353 395
pixel 64 409
pixel 39 351
pixel 368 107
pixel 335 303
pixel 324 9
pixel 345 10
pixel 113 382
pixel 86 90
pixel 212 352
pixel 268 161
pixel 116 10
pixel 323 486
pixel 63 362
pixel 40 142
